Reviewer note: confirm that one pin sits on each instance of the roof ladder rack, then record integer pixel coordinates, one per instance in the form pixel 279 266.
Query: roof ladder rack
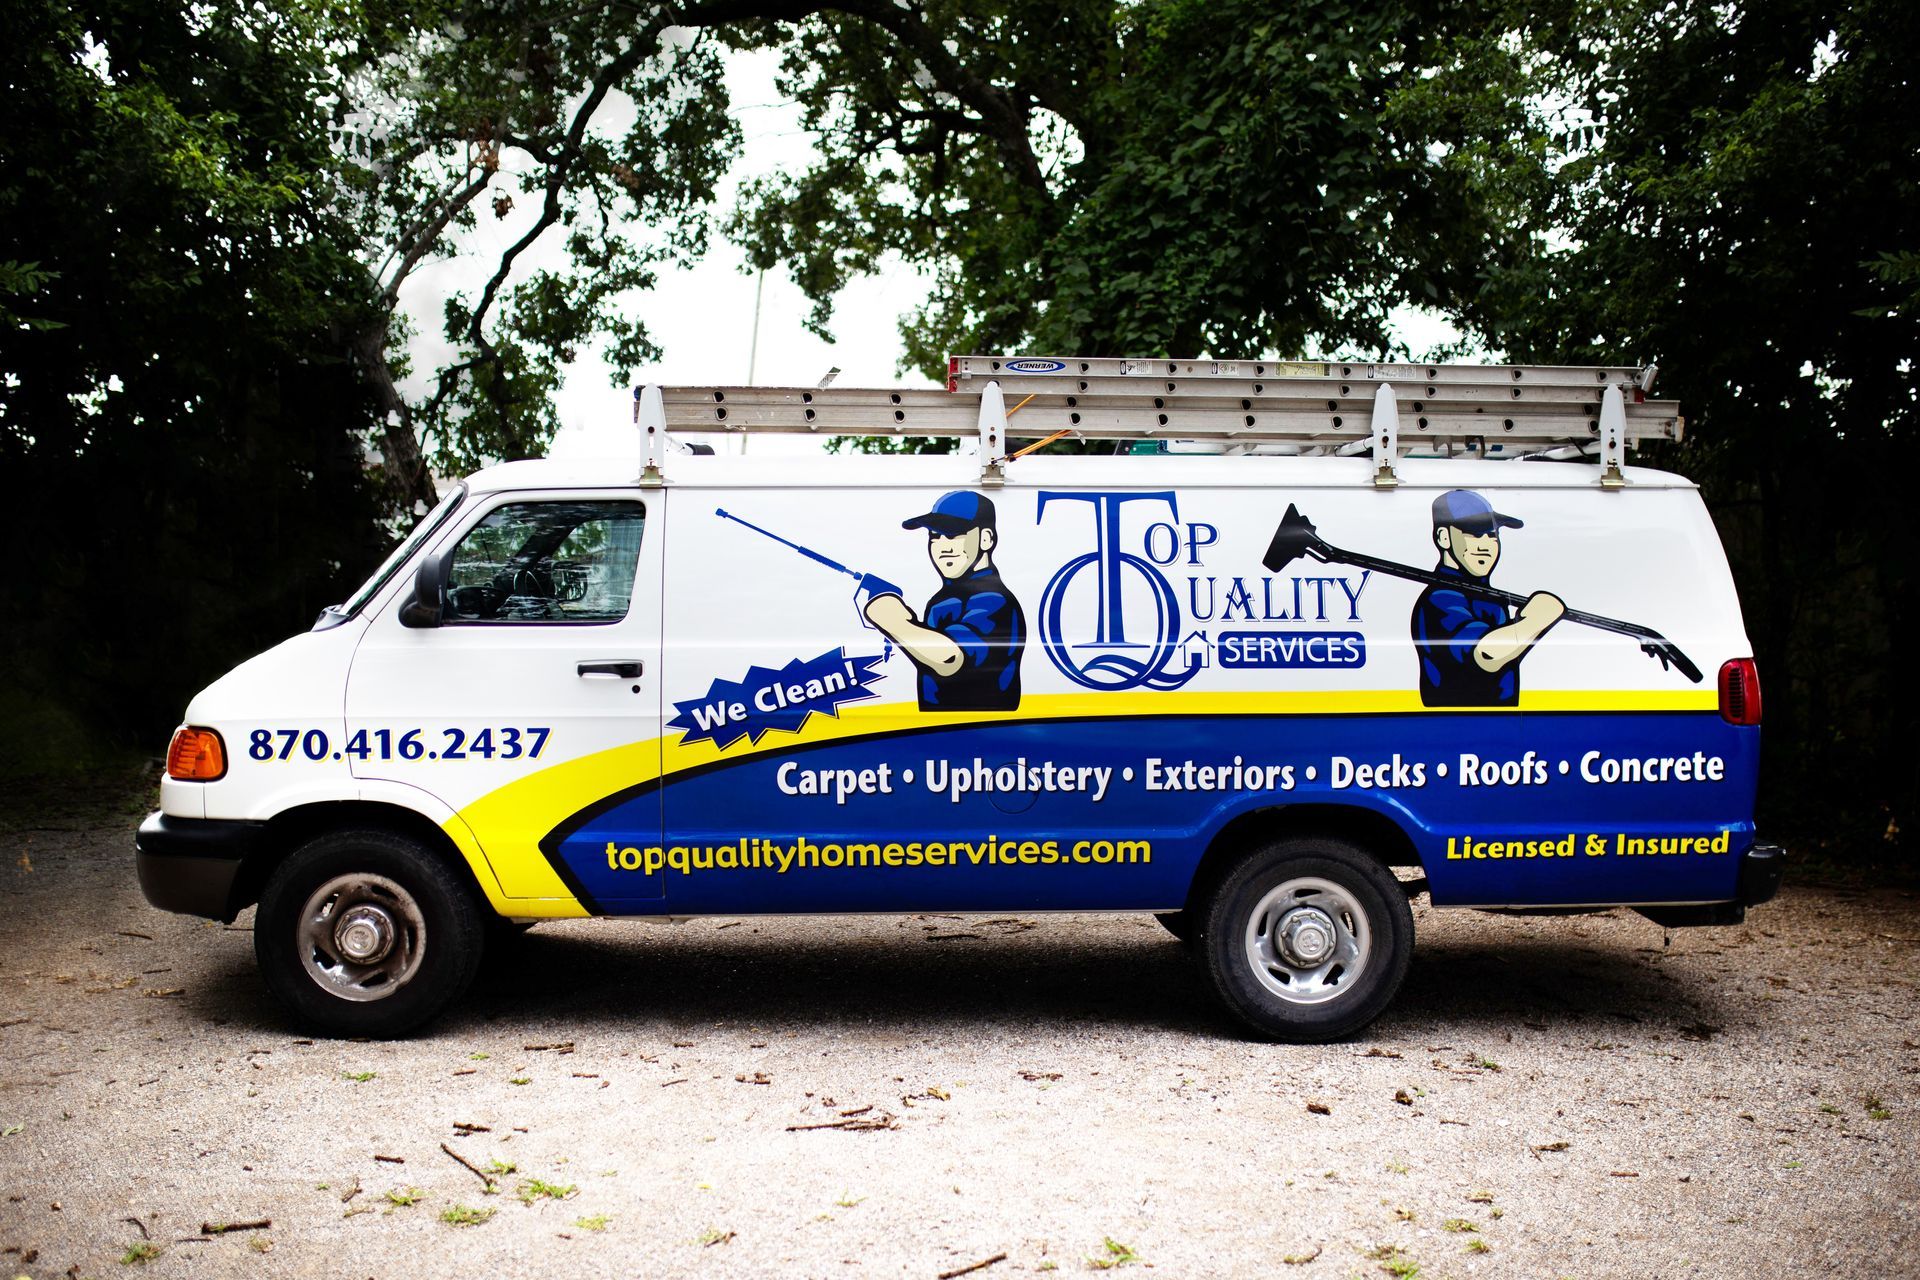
pixel 1306 407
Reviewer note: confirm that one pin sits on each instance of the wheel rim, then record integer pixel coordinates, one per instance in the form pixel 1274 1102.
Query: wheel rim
pixel 1308 941
pixel 362 937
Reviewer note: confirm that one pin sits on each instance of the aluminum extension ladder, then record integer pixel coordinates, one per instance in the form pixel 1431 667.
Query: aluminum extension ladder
pixel 1319 406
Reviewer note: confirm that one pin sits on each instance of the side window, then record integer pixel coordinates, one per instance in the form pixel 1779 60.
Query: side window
pixel 547 562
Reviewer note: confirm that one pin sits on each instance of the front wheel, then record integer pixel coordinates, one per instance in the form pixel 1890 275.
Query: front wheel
pixel 366 933
pixel 1307 939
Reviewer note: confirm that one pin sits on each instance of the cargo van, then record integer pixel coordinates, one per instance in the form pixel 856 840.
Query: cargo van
pixel 1263 672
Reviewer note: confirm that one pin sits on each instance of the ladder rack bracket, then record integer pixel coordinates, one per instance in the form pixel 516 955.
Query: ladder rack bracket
pixel 1386 438
pixel 993 436
pixel 650 415
pixel 1613 439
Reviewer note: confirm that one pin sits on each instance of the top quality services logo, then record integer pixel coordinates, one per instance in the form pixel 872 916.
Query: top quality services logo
pixel 1089 603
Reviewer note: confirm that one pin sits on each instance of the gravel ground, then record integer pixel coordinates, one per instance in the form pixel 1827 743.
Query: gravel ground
pixel 1575 1096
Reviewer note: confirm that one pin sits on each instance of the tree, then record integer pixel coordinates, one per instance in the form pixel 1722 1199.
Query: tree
pixel 1168 178
pixel 1734 192
pixel 459 111
pixel 179 427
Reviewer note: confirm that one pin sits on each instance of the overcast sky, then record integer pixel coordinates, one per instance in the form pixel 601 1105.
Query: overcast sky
pixel 703 316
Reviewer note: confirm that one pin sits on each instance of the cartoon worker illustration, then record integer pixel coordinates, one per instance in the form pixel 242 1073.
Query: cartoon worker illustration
pixel 1470 646
pixel 967 646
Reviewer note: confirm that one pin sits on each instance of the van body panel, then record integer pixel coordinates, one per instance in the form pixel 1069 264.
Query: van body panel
pixel 279 715
pixel 1130 633
pixel 802 769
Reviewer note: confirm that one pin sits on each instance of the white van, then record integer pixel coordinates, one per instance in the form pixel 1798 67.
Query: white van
pixel 1237 689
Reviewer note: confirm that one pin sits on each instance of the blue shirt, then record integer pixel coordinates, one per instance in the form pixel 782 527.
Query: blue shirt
pixel 1447 623
pixel 979 614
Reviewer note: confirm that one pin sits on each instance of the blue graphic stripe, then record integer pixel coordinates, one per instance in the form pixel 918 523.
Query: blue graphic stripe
pixel 1484 788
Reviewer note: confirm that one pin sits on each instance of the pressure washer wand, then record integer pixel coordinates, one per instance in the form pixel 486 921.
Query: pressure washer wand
pixel 808 552
pixel 871 583
pixel 1296 537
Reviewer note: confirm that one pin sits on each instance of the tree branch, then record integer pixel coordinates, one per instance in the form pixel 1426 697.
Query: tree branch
pixel 565 154
pixel 421 242
pixel 1004 117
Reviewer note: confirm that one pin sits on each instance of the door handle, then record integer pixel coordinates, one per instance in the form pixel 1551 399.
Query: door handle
pixel 612 669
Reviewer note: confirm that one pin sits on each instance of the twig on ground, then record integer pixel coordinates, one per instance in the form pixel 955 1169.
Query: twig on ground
pixel 469 1166
pixel 853 1124
pixel 981 1265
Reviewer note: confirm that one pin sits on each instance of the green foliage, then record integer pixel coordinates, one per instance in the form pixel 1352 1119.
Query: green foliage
pixel 534 1189
pixel 179 429
pixel 461 1215
pixel 1733 191
pixel 1168 177
pixel 603 132
pixel 205 234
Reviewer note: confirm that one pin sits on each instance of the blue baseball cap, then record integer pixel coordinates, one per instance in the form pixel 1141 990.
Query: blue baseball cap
pixel 955 513
pixel 1465 509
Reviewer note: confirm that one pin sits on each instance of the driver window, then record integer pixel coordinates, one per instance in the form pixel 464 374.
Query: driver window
pixel 547 562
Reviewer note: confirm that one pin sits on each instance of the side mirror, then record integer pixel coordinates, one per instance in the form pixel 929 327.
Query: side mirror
pixel 423 607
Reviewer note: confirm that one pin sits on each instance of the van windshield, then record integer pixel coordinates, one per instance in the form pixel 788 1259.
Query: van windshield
pixel 404 552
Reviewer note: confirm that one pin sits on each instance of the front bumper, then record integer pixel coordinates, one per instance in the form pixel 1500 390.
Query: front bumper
pixel 189 865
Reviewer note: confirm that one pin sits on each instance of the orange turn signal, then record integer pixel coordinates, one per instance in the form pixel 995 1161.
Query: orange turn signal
pixel 196 755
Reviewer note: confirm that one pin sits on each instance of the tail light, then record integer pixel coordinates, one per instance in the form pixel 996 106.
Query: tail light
pixel 1740 692
pixel 196 755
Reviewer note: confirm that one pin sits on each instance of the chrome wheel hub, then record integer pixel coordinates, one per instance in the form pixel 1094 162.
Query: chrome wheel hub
pixel 361 936
pixel 1307 936
pixel 364 934
pixel 1307 940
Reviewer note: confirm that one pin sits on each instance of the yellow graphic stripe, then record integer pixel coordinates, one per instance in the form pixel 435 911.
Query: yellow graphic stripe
pixel 511 821
pixel 541 893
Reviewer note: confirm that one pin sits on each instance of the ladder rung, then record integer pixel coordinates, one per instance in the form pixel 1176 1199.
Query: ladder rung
pixel 1135 371
pixel 853 410
pixel 1229 390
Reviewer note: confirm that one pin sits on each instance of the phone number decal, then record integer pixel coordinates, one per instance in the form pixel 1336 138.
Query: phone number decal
pixel 506 742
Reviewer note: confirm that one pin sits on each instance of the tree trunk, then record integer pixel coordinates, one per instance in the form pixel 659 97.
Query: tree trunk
pixel 408 480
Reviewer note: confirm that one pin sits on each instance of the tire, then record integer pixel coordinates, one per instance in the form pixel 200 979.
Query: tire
pixel 418 921
pixel 1178 923
pixel 1273 917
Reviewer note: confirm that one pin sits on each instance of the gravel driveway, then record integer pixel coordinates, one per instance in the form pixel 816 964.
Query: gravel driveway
pixel 918 1096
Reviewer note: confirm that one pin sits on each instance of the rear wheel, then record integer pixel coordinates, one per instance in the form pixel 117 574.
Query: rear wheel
pixel 367 933
pixel 1307 939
